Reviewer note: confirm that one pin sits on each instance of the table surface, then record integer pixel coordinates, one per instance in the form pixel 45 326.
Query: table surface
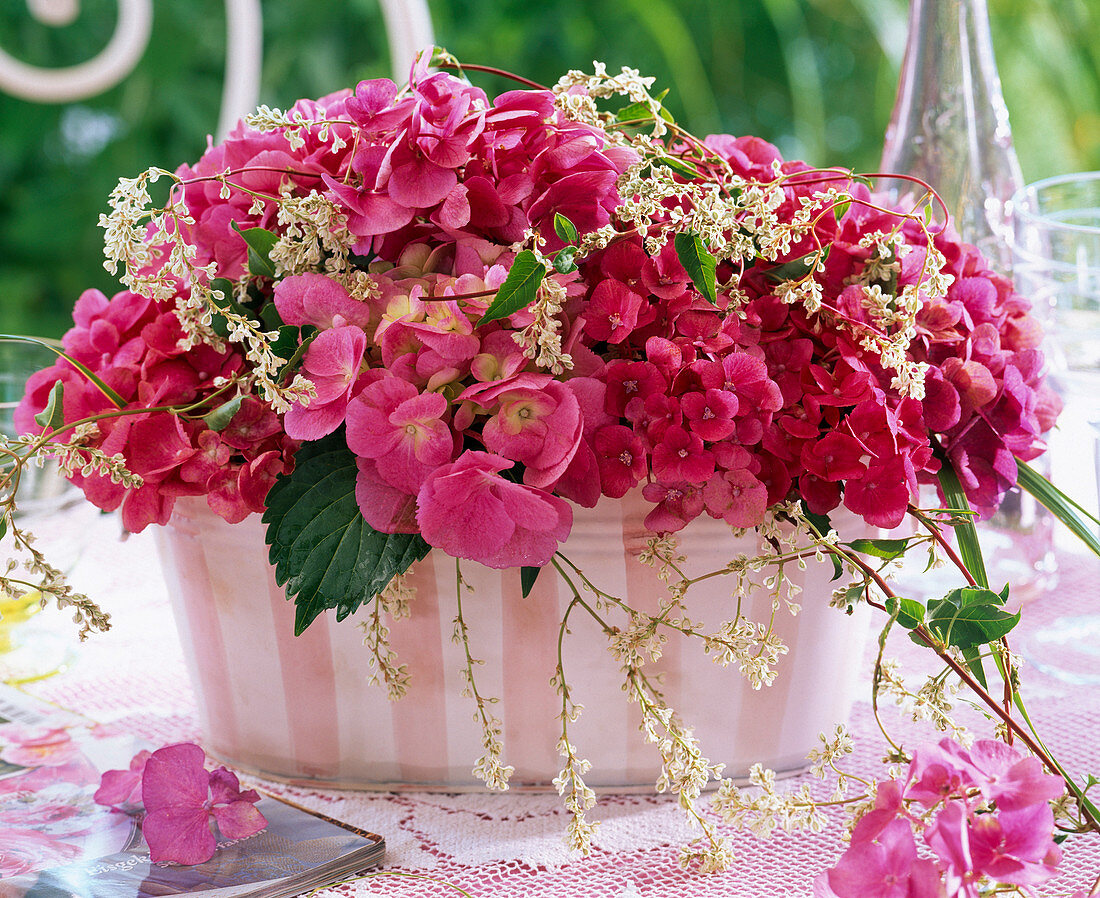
pixel 511 844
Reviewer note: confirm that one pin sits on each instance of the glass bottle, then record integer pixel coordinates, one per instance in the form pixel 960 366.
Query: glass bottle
pixel 950 125
pixel 950 128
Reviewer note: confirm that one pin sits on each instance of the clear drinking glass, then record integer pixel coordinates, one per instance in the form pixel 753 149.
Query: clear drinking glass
pixel 33 646
pixel 1056 252
pixel 1056 262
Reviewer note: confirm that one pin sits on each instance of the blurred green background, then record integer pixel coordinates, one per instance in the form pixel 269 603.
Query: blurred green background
pixel 817 77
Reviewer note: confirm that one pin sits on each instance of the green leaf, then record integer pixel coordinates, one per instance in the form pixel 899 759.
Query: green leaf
pixel 1077 520
pixel 795 269
pixel 969 547
pixel 699 264
pixel 975 595
pixel 640 112
pixel 116 400
pixel 219 419
pixel 680 167
pixel 518 290
pixel 52 417
pixel 3 526
pixel 910 613
pixel 270 317
pixel 563 261
pixel 287 346
pixel 969 625
pixel 527 577
pixel 324 553
pixel 881 548
pixel 823 525
pixel 565 229
pixel 219 323
pixel 260 243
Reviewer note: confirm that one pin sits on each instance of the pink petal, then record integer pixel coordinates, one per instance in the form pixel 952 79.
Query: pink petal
pixel 239 820
pixel 118 787
pixel 180 834
pixel 455 212
pixel 314 422
pixel 419 184
pixel 175 777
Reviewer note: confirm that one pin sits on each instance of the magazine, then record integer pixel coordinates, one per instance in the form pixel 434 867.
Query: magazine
pixel 56 842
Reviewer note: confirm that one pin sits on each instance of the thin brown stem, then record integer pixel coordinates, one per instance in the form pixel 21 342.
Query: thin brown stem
pixel 490 70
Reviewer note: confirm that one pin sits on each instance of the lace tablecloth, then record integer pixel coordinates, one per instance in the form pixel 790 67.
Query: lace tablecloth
pixel 511 844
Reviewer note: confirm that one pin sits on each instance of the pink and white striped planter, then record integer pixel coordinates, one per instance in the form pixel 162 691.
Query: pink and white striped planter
pixel 298 708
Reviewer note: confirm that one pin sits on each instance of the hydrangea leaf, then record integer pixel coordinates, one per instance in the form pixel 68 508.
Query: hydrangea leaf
pixel 325 555
pixel 519 289
pixel 287 346
pixel 260 243
pixel 699 264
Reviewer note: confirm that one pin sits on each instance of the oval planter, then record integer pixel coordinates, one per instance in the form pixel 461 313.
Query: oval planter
pixel 300 709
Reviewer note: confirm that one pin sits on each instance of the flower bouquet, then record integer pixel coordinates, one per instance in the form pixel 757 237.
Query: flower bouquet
pixel 411 320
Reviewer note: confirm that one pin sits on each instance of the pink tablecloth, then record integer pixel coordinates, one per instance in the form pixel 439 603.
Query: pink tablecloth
pixel 511 845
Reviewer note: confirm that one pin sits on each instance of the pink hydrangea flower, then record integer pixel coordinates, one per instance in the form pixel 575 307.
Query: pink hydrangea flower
pixel 332 363
pixel 181 800
pixel 469 511
pixel 402 430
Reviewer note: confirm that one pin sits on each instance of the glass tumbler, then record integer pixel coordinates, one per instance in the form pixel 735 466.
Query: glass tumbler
pixel 1056 261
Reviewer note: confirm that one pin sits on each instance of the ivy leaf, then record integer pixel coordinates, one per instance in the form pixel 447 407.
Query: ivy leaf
pixel 219 418
pixel 527 577
pixel 518 290
pixel 324 553
pixel 260 243
pixel 699 264
pixel 565 229
pixel 52 417
pixel 888 549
